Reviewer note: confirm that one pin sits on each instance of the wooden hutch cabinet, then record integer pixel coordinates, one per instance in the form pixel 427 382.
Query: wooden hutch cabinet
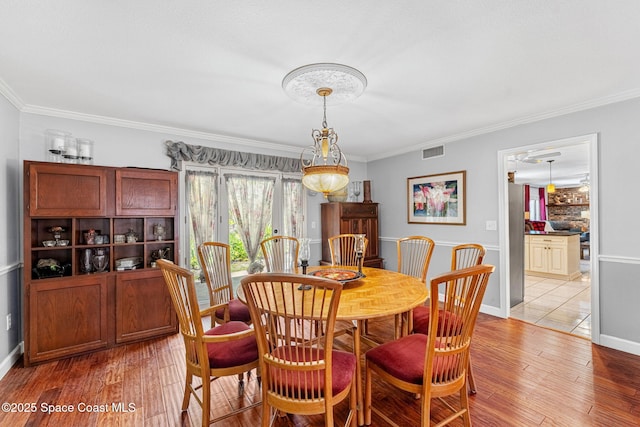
pixel 351 218
pixel 93 286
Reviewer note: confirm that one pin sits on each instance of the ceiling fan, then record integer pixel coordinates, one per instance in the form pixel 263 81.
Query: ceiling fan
pixel 536 158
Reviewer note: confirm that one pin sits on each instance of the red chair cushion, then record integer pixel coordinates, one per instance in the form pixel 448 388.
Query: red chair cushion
pixel 422 317
pixel 343 368
pixel 404 358
pixel 232 353
pixel 238 311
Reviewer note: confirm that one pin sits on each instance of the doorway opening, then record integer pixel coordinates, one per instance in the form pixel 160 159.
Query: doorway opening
pixel 563 300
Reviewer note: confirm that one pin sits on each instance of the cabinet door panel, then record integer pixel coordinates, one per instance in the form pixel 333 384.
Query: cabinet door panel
pixel 538 257
pixel 67 316
pixel 143 306
pixel 72 190
pixel 557 262
pixel 141 192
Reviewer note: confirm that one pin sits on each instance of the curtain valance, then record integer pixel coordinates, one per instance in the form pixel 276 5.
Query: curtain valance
pixel 179 151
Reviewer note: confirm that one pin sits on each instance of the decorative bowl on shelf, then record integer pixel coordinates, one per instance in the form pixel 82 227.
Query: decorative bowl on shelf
pixel 48 243
pixel 62 243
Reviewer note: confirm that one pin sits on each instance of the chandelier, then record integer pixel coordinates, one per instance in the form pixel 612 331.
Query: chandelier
pixel 326 170
pixel 550 187
pixel 324 166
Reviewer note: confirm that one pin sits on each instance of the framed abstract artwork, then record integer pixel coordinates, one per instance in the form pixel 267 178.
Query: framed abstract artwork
pixel 437 199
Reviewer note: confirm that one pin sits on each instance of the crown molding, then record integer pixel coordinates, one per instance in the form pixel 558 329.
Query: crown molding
pixel 11 96
pixel 173 131
pixel 262 145
pixel 599 102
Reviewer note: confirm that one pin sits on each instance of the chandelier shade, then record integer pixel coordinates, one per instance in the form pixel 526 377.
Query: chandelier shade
pixel 325 179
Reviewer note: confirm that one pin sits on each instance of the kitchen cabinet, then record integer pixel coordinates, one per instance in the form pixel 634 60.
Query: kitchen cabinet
pixel 351 218
pixel 554 256
pixel 90 241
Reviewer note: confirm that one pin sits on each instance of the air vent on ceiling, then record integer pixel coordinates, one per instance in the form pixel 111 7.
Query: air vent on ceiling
pixel 430 153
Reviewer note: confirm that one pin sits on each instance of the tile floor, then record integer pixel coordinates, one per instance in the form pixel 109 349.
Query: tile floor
pixel 558 304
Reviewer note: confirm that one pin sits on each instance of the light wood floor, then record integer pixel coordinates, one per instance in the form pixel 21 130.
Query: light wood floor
pixel 526 376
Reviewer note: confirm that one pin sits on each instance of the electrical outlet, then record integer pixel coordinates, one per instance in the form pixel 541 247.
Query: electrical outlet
pixel 8 321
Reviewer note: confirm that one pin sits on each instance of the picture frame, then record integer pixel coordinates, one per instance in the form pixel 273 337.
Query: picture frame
pixel 437 199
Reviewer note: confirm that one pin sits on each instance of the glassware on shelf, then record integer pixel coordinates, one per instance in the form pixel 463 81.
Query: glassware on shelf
pixel 160 232
pixel 70 154
pixel 131 236
pixel 56 143
pixel 85 151
pixel 100 259
pixel 57 231
pixel 86 261
pixel 356 190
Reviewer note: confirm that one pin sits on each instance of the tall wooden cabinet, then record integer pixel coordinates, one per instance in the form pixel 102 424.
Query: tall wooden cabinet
pixel 356 218
pixel 81 305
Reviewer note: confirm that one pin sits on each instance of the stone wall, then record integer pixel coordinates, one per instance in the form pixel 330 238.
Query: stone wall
pixel 566 206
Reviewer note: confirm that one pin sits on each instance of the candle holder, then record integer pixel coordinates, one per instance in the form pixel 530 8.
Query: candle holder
pixel 359 251
pixel 304 254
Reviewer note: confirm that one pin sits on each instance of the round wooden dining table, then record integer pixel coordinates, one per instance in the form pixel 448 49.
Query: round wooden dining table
pixel 378 293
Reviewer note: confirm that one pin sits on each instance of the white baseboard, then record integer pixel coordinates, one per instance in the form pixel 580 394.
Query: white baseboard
pixel 494 311
pixel 11 359
pixel 620 344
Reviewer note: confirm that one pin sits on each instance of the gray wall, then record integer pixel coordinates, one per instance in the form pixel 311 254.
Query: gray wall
pixel 618 130
pixel 10 240
pixel 619 257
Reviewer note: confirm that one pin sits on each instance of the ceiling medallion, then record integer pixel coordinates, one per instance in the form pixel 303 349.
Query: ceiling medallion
pixel 302 84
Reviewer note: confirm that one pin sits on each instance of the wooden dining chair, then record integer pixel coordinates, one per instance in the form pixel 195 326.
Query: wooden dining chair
pixel 294 318
pixel 414 256
pixel 462 256
pixel 434 365
pixel 215 260
pixel 343 250
pixel 280 253
pixel 228 349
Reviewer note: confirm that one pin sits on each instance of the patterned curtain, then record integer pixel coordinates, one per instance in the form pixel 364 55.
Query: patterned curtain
pixel 202 191
pixel 292 195
pixel 250 202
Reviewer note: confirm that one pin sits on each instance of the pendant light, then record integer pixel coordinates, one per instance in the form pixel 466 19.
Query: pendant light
pixel 324 166
pixel 327 169
pixel 550 187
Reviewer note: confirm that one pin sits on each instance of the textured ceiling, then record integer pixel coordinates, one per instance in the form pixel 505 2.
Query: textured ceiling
pixel 437 70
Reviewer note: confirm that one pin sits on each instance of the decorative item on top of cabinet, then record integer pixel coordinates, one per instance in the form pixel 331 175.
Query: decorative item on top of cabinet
pixel 351 218
pixel 116 296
